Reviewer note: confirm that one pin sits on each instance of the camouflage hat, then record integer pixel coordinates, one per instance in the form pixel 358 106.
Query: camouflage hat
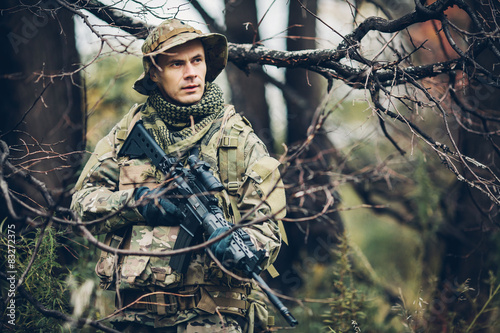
pixel 171 33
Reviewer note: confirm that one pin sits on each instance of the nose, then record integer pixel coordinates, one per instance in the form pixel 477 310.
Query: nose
pixel 189 70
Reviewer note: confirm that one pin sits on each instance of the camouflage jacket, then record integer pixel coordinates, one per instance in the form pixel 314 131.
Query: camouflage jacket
pixel 105 190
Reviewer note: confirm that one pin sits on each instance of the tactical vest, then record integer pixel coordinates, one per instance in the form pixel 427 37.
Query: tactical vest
pixel 219 148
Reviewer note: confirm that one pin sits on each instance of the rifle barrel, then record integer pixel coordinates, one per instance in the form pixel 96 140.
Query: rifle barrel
pixel 276 301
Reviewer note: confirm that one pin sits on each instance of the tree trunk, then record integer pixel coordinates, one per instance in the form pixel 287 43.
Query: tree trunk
pixel 247 89
pixel 317 237
pixel 304 83
pixel 42 116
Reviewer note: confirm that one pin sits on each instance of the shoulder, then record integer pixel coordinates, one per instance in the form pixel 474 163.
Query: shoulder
pixel 108 144
pixel 107 147
pixel 123 126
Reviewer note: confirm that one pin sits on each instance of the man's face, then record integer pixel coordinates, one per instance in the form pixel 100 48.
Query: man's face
pixel 180 73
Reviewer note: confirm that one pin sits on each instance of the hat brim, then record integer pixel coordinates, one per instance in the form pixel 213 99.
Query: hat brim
pixel 216 53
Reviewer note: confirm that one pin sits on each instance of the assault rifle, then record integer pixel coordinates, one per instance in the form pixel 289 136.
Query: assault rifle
pixel 192 194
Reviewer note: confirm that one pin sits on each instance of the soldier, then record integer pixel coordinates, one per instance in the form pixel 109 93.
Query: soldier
pixel 184 109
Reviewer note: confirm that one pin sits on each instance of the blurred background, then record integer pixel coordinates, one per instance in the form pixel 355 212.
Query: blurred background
pixel 385 234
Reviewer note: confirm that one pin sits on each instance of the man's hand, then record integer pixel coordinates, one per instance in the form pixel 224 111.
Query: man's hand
pixel 156 210
pixel 221 248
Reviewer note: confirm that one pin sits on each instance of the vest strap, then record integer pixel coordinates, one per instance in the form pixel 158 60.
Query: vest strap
pixel 170 302
pixel 232 152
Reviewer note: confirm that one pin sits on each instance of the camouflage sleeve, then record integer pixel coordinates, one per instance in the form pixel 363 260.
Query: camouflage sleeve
pixel 97 195
pixel 262 195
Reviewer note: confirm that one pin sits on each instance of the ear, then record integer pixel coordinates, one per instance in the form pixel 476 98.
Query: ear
pixel 153 74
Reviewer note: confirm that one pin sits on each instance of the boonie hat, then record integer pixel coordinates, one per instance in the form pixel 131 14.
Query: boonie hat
pixel 171 33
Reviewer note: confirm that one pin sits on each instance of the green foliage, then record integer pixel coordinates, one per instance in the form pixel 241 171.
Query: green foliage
pixel 44 281
pixel 87 299
pixel 336 300
pixel 427 195
pixel 348 305
pixel 466 310
pixel 411 316
pixel 110 95
pixel 492 304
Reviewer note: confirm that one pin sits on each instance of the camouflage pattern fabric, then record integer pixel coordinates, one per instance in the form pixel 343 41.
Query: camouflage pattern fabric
pixel 105 191
pixel 202 324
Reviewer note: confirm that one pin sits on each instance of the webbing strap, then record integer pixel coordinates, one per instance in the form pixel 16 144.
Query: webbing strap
pixel 232 152
pixel 112 240
pixel 135 119
pixel 233 200
pixel 160 300
pixel 229 156
pixel 240 153
pixel 272 271
pixel 231 303
pixel 169 303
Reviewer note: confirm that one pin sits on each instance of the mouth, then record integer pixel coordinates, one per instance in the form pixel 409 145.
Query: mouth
pixel 190 87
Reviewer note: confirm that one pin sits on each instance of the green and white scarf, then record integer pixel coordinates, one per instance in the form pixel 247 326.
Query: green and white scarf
pixel 171 124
